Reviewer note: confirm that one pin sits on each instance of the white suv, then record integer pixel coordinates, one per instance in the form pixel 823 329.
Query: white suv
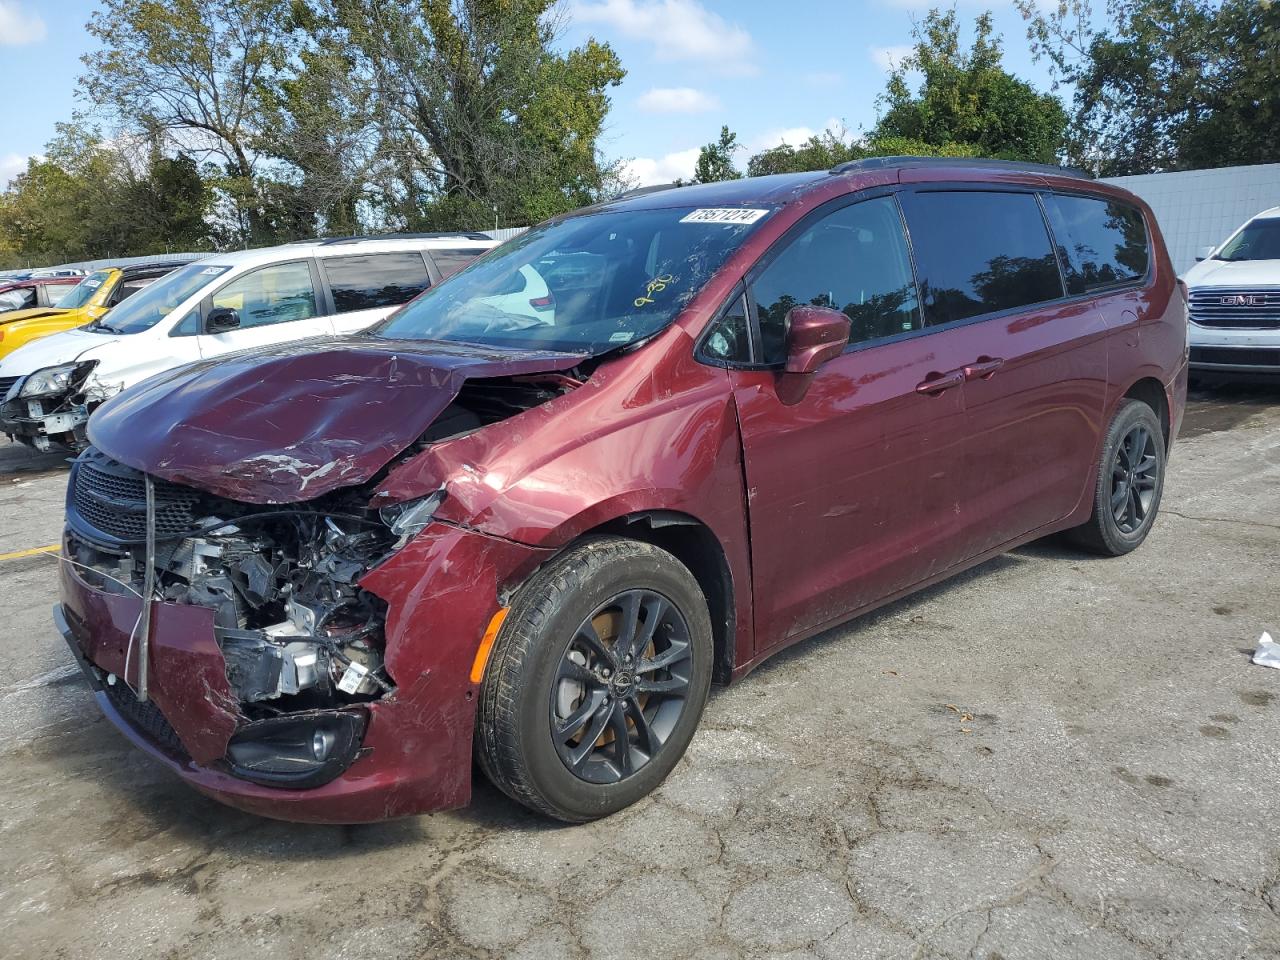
pixel 222 304
pixel 1235 301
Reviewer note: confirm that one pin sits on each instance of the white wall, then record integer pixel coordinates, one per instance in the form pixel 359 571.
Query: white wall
pixel 1199 208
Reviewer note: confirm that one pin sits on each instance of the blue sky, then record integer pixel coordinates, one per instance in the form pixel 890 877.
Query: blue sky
pixel 771 70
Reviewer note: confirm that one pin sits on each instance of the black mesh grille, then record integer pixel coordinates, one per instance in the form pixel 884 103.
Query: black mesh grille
pixel 146 718
pixel 112 499
pixel 1237 356
pixel 1241 309
pixel 5 384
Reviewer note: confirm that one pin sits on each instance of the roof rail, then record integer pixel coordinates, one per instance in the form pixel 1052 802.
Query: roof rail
pixel 652 188
pixel 972 163
pixel 447 235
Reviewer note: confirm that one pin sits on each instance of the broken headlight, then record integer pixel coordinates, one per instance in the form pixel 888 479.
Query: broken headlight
pixel 52 381
pixel 407 518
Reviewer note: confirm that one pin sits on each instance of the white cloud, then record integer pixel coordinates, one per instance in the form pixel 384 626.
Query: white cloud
pixel 17 26
pixel 888 58
pixel 678 30
pixel 676 100
pixel 11 164
pixel 674 166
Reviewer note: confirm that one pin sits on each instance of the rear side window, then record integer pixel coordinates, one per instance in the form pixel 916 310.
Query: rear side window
pixel 980 252
pixel 450 262
pixel 376 280
pixel 1102 242
pixel 854 260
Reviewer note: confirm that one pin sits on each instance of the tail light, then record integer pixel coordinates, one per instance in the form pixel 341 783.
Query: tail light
pixel 1186 293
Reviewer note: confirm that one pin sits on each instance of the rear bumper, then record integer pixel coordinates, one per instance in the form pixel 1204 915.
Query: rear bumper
pixel 415 756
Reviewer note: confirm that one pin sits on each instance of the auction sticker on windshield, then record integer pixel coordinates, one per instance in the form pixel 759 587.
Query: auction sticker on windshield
pixel 723 215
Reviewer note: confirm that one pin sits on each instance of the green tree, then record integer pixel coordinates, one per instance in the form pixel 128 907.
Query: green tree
pixel 715 160
pixel 966 100
pixel 87 199
pixel 482 113
pixel 195 70
pixel 820 152
pixel 1165 84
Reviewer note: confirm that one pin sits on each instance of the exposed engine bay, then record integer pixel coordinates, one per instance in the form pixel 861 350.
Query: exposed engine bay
pixel 296 630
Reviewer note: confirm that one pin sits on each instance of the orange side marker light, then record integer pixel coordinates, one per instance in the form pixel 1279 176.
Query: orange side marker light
pixel 486 645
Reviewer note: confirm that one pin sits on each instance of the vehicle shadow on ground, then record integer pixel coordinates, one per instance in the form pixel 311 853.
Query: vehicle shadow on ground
pixel 1218 404
pixel 850 630
pixel 18 460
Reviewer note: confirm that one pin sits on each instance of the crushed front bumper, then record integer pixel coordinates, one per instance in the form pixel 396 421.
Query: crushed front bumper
pixel 45 423
pixel 414 753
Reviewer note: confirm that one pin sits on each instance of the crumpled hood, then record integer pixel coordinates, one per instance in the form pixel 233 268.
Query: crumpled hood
pixel 298 421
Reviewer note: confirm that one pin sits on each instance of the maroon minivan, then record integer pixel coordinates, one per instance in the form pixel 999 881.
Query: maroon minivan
pixel 529 518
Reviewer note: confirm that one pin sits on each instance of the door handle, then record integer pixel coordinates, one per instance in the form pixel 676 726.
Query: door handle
pixel 935 383
pixel 983 368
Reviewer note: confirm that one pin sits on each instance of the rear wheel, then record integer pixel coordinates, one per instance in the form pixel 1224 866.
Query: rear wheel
pixel 597 680
pixel 1129 484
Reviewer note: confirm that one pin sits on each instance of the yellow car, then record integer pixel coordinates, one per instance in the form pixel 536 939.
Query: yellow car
pixel 94 296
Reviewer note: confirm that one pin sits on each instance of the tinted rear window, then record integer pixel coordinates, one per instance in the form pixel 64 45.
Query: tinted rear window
pixel 980 252
pixel 375 280
pixel 1102 242
pixel 450 262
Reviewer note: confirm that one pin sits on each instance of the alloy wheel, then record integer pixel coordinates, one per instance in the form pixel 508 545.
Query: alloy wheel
pixel 1134 474
pixel 620 687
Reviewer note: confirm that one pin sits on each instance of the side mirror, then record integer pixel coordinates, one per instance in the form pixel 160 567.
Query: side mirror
pixel 1204 253
pixel 814 336
pixel 221 319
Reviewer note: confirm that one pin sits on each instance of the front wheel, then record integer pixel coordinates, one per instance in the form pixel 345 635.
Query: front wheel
pixel 597 680
pixel 1129 484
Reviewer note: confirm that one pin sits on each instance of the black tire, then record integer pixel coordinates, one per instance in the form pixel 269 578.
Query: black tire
pixel 535 653
pixel 1124 509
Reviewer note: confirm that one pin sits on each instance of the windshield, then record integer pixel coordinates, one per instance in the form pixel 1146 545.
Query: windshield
pixel 145 309
pixel 83 291
pixel 587 284
pixel 1259 240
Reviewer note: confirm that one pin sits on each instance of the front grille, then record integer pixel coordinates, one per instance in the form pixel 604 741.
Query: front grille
pixel 5 384
pixel 1237 356
pixel 146 718
pixel 1239 308
pixel 112 499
